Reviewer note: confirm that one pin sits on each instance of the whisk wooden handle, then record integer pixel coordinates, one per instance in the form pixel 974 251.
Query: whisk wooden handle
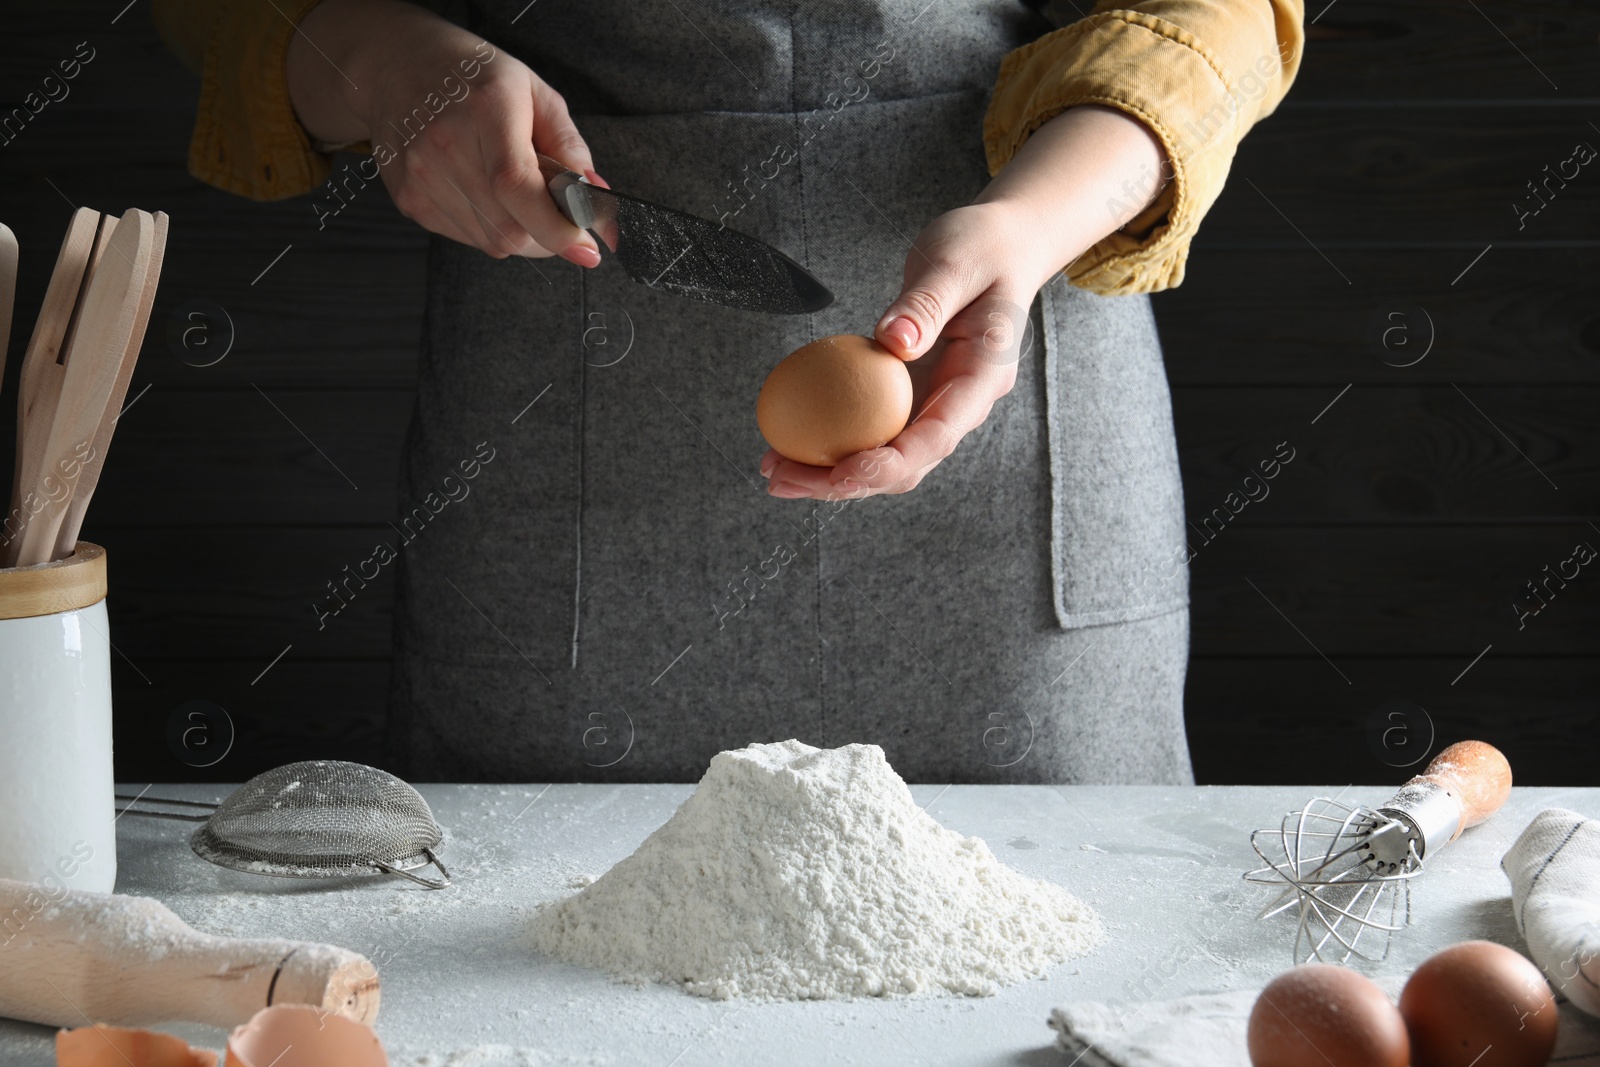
pixel 69 957
pixel 1476 774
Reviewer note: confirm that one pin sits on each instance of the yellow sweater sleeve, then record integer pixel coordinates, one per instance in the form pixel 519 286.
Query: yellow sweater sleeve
pixel 1199 73
pixel 246 139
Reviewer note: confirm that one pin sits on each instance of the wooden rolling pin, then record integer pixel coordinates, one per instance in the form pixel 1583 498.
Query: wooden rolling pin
pixel 71 958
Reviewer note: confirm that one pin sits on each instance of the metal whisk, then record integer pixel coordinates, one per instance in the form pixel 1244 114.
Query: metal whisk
pixel 1348 869
pixel 317 819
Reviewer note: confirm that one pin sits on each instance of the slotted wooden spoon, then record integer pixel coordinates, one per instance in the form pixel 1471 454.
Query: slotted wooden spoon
pixel 94 354
pixel 89 477
pixel 39 382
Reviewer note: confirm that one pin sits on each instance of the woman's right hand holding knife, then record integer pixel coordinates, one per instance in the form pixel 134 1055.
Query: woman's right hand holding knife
pixel 462 122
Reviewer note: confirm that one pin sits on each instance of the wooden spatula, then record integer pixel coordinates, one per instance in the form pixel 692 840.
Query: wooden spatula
pixel 130 961
pixel 39 383
pixel 99 338
pixel 89 477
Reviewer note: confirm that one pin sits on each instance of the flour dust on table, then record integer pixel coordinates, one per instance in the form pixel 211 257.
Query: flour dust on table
pixel 498 1056
pixel 799 873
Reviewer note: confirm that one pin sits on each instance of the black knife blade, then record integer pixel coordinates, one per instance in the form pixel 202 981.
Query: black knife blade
pixel 684 254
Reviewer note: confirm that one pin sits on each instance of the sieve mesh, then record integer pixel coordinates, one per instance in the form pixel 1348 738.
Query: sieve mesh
pixel 322 818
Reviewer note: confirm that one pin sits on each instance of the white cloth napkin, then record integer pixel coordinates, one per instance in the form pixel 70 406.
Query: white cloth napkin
pixel 1209 1031
pixel 1555 895
pixel 1200 1031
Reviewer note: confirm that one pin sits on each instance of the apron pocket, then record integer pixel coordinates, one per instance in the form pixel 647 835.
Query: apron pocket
pixel 1118 551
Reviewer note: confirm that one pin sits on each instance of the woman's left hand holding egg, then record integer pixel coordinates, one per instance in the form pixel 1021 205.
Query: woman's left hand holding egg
pixel 970 278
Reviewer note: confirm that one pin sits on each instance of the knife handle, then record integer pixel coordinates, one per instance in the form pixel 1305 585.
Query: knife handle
pixel 564 184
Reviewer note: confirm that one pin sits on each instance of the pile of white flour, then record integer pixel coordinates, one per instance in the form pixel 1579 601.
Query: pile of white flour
pixel 794 872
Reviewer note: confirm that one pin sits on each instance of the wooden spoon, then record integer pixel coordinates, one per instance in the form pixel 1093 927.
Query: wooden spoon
pixel 94 354
pixel 89 477
pixel 8 289
pixel 39 383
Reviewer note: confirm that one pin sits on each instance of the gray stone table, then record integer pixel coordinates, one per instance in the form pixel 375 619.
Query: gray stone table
pixel 1161 865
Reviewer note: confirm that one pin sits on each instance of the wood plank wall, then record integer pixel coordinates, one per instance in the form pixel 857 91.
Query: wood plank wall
pixel 1381 566
pixel 1388 555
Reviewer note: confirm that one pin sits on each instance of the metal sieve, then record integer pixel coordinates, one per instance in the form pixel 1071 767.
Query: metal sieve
pixel 316 819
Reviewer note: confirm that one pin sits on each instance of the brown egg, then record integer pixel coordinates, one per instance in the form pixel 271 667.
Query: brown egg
pixel 832 398
pixel 1319 1015
pixel 1480 1004
pixel 298 1035
pixel 107 1046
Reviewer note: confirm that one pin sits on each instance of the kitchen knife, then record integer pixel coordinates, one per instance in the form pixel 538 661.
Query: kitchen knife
pixel 681 253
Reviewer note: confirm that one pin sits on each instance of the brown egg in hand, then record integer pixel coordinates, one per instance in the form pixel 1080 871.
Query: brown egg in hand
pixel 1319 1015
pixel 833 398
pixel 1481 1004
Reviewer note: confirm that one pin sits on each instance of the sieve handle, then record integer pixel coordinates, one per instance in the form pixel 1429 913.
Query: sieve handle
pixel 442 882
pixel 68 957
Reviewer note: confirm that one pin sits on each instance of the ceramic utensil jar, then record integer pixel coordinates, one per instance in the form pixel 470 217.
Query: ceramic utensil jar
pixel 56 807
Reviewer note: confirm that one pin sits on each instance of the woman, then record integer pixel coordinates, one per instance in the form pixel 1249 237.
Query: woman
pixel 1000 593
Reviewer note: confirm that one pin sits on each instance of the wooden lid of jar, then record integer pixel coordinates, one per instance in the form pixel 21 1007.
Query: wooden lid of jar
pixel 50 588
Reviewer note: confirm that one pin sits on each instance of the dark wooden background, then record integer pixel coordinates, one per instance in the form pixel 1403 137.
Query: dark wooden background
pixel 1386 558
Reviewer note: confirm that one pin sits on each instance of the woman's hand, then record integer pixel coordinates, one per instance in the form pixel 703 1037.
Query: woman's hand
pixel 970 279
pixel 454 123
pixel 968 284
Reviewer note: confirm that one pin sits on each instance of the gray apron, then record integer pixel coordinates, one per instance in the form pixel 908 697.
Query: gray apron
pixel 612 595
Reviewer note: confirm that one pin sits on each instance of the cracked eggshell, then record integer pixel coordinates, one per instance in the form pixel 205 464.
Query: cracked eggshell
pixel 298 1035
pixel 107 1046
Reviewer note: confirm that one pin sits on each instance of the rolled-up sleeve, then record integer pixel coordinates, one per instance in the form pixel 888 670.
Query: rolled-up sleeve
pixel 247 139
pixel 1198 73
